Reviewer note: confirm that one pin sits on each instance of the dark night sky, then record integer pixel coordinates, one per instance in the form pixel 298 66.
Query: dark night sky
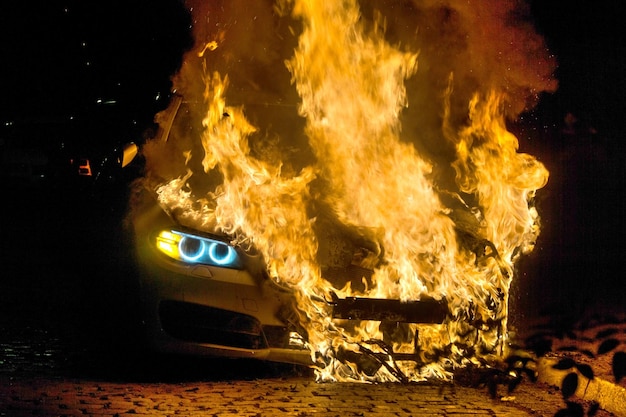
pixel 589 42
pixel 61 54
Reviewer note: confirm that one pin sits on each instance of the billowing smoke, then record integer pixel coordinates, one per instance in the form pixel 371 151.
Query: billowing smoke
pixel 465 46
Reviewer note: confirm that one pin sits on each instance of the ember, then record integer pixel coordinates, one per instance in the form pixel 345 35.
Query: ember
pixel 362 149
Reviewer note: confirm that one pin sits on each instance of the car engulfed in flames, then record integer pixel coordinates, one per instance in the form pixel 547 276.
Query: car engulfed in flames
pixel 201 294
pixel 320 219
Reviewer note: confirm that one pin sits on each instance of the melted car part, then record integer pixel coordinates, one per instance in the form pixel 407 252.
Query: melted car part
pixel 426 310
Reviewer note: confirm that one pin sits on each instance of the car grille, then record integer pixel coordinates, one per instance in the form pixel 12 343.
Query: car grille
pixel 202 324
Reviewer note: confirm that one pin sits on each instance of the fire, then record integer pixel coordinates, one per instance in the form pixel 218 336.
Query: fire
pixel 438 222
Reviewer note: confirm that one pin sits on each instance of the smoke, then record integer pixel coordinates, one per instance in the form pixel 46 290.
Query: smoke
pixel 472 47
pixel 247 42
pixel 464 48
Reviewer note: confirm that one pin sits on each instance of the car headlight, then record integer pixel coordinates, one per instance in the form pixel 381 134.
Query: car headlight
pixel 194 249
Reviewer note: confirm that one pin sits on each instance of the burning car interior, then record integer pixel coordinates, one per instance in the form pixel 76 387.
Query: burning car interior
pixel 333 183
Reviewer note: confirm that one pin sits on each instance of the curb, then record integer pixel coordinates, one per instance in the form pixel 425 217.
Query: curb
pixel 611 397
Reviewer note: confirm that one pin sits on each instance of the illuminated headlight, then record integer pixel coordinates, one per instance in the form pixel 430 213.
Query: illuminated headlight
pixel 194 249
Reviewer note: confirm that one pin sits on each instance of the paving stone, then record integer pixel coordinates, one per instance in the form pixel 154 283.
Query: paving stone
pixel 286 397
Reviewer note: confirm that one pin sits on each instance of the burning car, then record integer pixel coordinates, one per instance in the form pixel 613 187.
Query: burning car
pixel 200 294
pixel 203 295
pixel 295 208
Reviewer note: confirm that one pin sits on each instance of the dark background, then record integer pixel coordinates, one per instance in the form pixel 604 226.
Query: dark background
pixel 62 59
pixel 61 56
pixel 578 263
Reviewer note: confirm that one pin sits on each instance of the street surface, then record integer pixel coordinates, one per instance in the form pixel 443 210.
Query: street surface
pixel 289 396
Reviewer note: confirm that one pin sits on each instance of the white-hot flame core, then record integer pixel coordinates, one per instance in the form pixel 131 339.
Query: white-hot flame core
pixel 351 83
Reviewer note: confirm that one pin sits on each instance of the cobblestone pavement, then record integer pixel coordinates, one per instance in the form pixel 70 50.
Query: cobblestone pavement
pixel 291 396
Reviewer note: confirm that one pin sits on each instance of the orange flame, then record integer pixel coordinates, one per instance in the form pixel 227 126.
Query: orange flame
pixel 429 236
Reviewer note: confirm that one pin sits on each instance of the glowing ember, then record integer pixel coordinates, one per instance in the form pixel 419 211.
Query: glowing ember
pixel 316 137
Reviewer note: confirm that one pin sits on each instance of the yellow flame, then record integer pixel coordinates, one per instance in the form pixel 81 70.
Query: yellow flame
pixel 457 244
